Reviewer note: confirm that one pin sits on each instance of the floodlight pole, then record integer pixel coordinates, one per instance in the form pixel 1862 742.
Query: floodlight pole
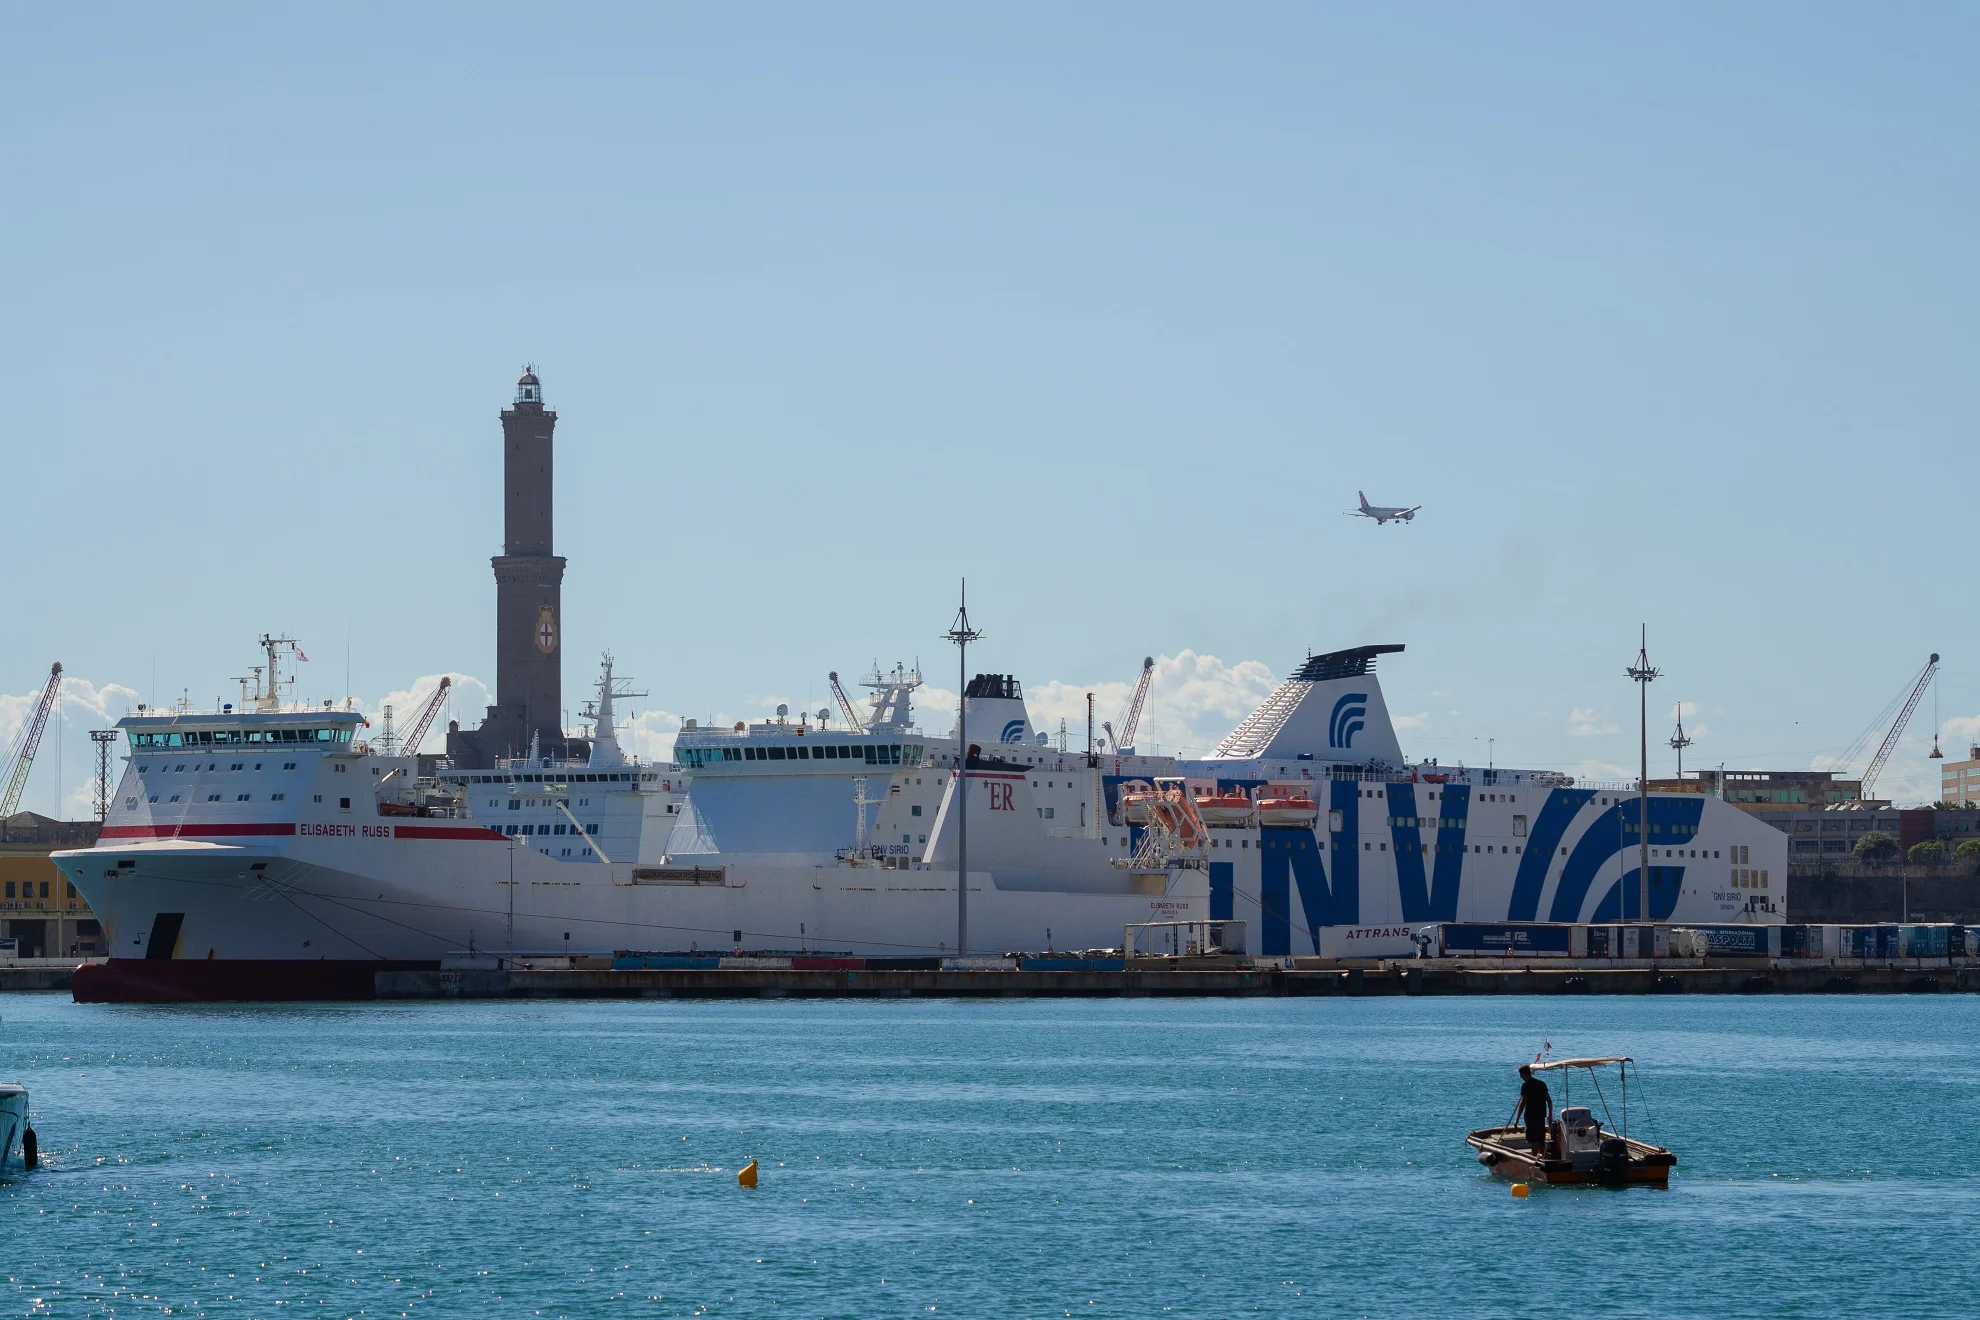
pixel 1643 675
pixel 962 635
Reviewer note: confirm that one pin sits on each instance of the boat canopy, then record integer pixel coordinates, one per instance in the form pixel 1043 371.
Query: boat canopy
pixel 1580 1063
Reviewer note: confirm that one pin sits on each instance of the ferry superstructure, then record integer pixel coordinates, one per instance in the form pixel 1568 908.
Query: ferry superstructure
pixel 1306 825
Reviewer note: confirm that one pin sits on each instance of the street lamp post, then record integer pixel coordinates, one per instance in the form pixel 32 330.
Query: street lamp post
pixel 1644 676
pixel 962 634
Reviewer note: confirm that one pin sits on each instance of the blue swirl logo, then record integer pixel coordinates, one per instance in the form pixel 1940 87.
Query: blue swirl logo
pixel 1350 714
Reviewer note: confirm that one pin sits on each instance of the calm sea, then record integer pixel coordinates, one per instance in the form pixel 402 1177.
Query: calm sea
pixel 1011 1158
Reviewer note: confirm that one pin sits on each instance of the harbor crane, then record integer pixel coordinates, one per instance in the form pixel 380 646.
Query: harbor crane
pixel 1131 717
pixel 416 734
pixel 845 704
pixel 30 742
pixel 1889 744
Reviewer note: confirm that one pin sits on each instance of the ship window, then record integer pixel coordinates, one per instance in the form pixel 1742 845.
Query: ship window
pixel 242 797
pixel 212 797
pixel 915 810
pixel 780 753
pixel 277 797
pixel 288 765
pixel 515 804
pixel 154 798
pixel 803 753
pixel 345 803
pixel 317 797
pixel 235 766
pixel 10 889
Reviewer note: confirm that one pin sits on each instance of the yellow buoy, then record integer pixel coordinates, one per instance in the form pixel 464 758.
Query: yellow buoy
pixel 1519 1189
pixel 747 1177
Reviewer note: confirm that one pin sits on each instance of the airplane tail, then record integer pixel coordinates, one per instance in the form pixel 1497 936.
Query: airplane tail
pixel 1364 500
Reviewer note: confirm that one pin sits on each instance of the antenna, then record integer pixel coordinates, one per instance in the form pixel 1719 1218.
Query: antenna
pixel 1679 742
pixel 103 738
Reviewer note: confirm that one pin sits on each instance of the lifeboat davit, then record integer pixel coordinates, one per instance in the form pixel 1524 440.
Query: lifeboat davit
pixel 1297 812
pixel 1224 809
pixel 1134 807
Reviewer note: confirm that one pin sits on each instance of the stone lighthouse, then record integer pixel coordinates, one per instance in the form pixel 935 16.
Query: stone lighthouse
pixel 529 615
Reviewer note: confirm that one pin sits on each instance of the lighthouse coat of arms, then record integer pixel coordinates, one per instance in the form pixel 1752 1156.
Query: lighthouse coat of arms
pixel 546 629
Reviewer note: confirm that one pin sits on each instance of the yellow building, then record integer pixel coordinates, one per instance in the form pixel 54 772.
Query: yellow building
pixel 1959 781
pixel 40 910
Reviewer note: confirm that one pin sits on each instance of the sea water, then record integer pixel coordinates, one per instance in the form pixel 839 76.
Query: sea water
pixel 980 1158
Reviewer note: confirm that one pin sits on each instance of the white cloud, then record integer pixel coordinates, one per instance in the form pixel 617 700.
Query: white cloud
pixel 1420 720
pixel 467 701
pixel 1193 701
pixel 649 735
pixel 1587 722
pixel 63 780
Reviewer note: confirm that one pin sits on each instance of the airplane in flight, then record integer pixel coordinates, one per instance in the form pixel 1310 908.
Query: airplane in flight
pixel 1382 515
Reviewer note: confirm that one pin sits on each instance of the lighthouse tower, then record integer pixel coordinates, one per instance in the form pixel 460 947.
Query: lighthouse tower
pixel 529 615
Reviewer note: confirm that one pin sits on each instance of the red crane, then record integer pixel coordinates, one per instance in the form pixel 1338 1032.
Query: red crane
pixel 845 704
pixel 1904 717
pixel 1131 718
pixel 409 745
pixel 24 750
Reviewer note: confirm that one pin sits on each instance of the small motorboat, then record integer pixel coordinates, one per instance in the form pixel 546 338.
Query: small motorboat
pixel 1296 812
pixel 1579 1149
pixel 1224 809
pixel 14 1130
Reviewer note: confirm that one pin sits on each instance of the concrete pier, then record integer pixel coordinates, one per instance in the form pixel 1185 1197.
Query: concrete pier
pixel 1427 978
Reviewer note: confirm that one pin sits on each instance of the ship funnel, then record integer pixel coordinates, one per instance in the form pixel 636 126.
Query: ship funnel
pixel 1331 709
pixel 995 703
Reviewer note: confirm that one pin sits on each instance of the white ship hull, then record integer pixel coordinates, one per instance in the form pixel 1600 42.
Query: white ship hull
pixel 419 902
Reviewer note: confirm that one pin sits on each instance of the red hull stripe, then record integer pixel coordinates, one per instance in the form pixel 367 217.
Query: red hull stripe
pixel 196 831
pixel 443 832
pixel 282 828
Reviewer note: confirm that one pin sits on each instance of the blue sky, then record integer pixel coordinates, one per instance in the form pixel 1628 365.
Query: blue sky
pixel 1663 316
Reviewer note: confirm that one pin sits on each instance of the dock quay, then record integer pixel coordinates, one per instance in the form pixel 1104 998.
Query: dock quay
pixel 1306 976
pixel 29 974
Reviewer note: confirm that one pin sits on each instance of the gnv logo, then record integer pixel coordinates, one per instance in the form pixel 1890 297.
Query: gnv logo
pixel 1349 712
pixel 1013 732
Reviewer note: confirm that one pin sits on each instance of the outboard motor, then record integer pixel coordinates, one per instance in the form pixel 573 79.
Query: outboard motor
pixel 1612 1166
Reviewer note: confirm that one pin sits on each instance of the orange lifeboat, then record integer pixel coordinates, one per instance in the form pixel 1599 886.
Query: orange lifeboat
pixel 1224 809
pixel 1293 812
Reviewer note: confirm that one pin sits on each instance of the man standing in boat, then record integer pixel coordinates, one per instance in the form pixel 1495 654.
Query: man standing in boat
pixel 1536 1102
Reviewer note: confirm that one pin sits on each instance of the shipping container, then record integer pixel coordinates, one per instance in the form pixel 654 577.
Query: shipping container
pixel 1532 939
pixel 1737 941
pixel 1924 941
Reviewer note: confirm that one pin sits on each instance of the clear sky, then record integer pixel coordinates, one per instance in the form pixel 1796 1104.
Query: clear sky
pixel 1664 315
